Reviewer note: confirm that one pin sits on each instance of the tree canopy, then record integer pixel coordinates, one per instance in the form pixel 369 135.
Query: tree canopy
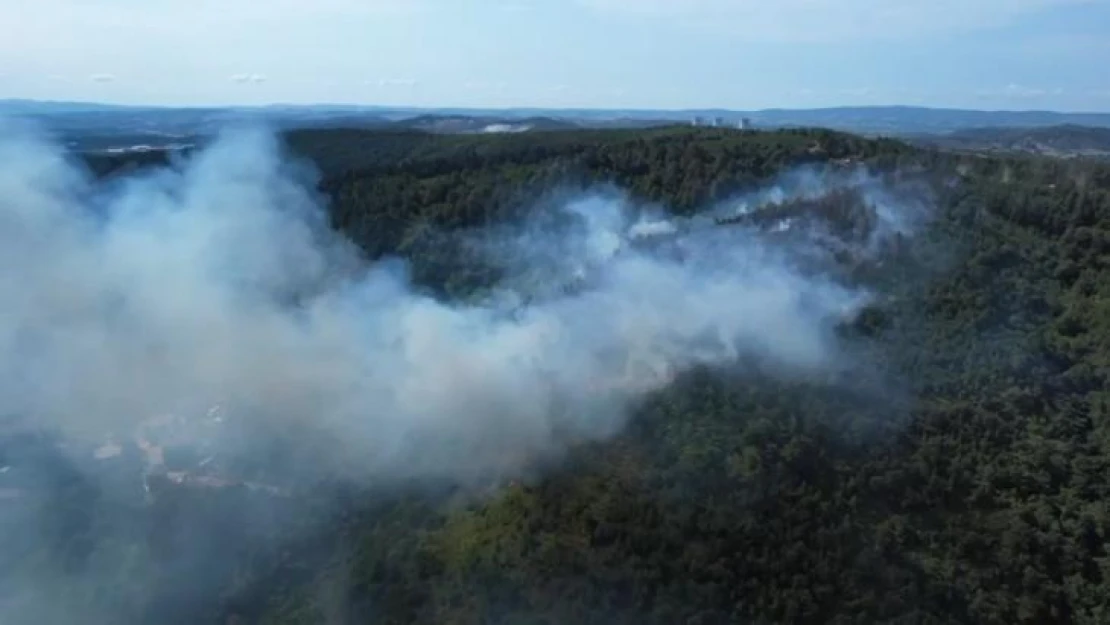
pixel 978 492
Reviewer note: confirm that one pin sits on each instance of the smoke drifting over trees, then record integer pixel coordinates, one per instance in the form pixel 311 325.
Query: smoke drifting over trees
pixel 219 281
pixel 585 377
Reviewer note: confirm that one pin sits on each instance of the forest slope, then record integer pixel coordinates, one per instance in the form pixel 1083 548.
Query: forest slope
pixel 982 499
pixel 973 488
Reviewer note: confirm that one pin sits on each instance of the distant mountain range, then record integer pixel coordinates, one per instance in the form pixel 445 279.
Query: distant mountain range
pixel 108 125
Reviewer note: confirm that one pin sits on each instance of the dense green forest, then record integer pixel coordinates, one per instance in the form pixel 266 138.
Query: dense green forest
pixel 974 489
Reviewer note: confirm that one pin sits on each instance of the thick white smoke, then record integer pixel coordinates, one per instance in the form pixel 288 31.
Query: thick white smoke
pixel 219 282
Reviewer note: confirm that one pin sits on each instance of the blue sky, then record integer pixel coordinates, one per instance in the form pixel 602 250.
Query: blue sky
pixel 740 54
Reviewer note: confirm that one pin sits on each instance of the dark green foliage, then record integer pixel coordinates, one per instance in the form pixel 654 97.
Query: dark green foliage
pixel 972 487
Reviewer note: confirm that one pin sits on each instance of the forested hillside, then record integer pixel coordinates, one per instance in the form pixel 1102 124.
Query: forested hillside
pixel 967 481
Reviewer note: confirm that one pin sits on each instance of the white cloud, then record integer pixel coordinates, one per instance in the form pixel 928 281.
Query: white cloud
pixel 1014 90
pixel 248 78
pixel 486 86
pixel 406 83
pixel 102 78
pixel 831 20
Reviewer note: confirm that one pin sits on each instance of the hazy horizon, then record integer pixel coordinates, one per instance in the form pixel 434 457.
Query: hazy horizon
pixel 479 107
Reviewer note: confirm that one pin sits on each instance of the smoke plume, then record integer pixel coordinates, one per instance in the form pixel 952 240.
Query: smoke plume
pixel 218 282
pixel 209 307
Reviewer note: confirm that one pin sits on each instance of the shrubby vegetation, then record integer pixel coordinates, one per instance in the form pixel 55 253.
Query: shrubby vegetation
pixel 962 476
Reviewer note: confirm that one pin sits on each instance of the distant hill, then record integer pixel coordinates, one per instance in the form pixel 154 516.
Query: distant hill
pixel 893 120
pixel 1062 140
pixel 467 124
pixel 89 118
pixel 16 106
pixel 902 120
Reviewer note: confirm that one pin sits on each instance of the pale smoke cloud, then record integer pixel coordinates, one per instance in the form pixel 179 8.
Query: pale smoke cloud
pixel 219 282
